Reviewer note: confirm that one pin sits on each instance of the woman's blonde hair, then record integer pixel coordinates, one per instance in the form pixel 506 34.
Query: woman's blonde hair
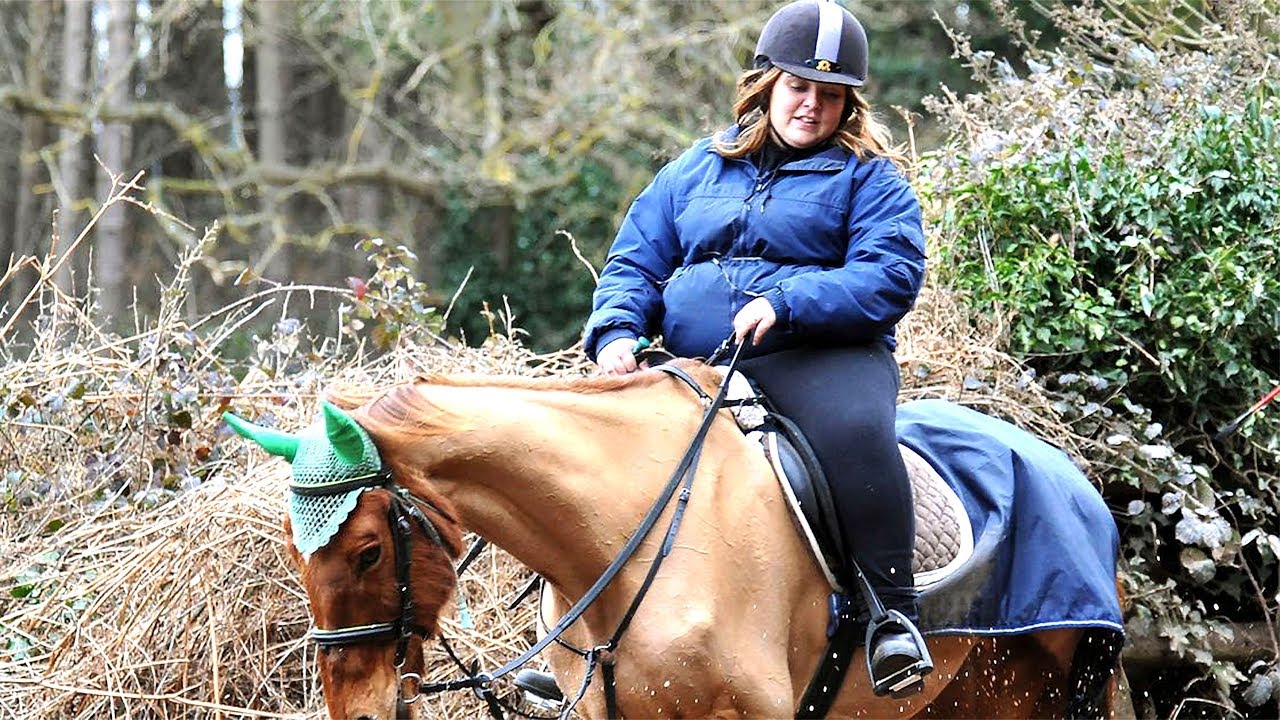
pixel 861 134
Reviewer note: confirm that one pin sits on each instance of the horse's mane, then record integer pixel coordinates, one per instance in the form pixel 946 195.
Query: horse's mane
pixel 390 413
pixel 585 384
pixel 402 408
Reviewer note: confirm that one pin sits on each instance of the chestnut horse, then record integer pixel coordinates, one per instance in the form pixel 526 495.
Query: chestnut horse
pixel 560 473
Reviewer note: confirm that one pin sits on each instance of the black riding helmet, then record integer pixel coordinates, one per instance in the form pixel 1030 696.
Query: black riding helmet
pixel 817 40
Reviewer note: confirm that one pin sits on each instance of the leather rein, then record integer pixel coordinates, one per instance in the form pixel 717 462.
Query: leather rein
pixel 406 511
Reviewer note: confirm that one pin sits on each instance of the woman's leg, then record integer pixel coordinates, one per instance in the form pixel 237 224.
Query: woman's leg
pixel 845 402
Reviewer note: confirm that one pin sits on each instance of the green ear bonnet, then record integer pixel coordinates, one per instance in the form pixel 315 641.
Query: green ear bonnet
pixel 330 453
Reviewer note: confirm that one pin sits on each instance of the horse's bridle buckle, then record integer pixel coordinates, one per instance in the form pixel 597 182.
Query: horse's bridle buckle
pixel 482 685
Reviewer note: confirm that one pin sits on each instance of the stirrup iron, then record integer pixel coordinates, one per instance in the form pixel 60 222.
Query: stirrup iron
pixel 905 681
pixel 540 690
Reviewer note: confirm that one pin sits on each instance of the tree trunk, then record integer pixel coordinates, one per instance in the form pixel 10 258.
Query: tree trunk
pixel 270 74
pixel 30 221
pixel 477 74
pixel 72 181
pixel 114 146
pixel 184 70
pixel 10 133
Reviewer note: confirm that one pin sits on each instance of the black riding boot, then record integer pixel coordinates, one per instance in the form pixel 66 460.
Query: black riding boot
pixel 899 660
pixel 898 657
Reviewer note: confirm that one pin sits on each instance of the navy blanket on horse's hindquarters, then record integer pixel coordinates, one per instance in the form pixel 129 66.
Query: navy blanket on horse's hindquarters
pixel 1052 536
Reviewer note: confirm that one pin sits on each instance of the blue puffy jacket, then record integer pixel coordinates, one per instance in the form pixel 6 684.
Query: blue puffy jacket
pixel 833 242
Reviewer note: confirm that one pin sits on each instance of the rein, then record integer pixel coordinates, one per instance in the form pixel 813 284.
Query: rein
pixel 404 513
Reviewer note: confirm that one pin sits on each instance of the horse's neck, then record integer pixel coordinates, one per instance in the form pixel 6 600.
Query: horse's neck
pixel 552 474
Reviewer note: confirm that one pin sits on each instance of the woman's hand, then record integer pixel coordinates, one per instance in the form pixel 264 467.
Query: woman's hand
pixel 617 357
pixel 756 319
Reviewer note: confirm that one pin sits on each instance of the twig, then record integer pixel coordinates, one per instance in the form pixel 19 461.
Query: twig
pixel 573 244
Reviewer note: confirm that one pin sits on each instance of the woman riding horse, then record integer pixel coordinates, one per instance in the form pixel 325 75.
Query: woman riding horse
pixel 562 474
pixel 794 228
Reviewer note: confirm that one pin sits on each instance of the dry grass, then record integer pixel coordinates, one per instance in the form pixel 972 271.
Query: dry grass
pixel 942 355
pixel 190 609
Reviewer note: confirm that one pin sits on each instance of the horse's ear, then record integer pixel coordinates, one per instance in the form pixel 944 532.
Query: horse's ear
pixel 273 441
pixel 346 436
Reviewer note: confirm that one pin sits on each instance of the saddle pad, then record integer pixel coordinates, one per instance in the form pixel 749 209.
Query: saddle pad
pixel 944 537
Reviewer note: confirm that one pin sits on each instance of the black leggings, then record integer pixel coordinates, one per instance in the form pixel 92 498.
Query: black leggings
pixel 845 401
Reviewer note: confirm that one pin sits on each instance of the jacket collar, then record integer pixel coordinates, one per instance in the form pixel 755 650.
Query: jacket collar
pixel 832 159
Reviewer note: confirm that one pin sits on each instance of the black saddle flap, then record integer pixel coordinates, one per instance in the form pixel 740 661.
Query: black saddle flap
pixel 809 485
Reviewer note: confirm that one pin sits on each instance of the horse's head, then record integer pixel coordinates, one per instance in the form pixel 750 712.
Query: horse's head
pixel 351 583
pixel 375 561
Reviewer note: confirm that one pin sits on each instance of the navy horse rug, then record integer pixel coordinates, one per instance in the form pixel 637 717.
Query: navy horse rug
pixel 1044 543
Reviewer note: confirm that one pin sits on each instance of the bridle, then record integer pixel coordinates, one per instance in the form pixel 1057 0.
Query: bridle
pixel 405 508
pixel 403 513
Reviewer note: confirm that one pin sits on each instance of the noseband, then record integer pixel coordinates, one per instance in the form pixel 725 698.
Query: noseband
pixel 403 513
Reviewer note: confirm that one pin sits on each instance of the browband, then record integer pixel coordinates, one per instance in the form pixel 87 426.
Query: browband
pixel 338 487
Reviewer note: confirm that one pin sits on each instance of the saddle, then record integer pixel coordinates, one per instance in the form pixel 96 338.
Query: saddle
pixel 943 544
pixel 944 535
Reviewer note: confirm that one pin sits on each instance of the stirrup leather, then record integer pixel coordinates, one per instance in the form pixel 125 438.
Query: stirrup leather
pixel 908 680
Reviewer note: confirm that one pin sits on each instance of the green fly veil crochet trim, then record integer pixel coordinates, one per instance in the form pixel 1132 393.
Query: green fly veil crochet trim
pixel 333 450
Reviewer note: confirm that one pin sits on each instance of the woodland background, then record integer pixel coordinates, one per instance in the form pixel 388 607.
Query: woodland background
pixel 469 132
pixel 230 204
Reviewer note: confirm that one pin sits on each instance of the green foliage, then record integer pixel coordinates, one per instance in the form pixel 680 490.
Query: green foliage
pixel 523 261
pixel 1162 270
pixel 391 305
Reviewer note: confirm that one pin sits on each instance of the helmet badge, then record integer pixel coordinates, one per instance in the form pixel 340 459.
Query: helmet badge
pixel 821 65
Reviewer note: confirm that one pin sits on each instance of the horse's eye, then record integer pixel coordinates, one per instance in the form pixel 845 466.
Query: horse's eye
pixel 368 558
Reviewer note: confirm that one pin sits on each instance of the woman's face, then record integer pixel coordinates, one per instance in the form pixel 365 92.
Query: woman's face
pixel 805 113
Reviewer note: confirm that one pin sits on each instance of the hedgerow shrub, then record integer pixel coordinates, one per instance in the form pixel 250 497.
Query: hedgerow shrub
pixel 1114 209
pixel 1158 270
